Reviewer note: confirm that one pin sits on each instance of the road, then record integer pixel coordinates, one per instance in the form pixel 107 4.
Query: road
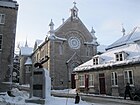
pixel 109 101
pixel 99 100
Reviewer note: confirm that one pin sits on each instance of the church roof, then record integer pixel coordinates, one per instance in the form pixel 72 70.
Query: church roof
pixel 80 26
pixel 73 23
pixel 130 38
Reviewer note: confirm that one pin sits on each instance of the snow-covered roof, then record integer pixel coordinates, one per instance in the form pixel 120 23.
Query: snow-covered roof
pixel 7 3
pixel 108 58
pixel 94 42
pixel 54 37
pixel 101 48
pixel 130 38
pixel 26 50
pixel 28 61
pixel 129 44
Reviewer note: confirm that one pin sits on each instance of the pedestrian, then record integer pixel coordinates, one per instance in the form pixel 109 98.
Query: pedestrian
pixel 128 91
pixel 77 99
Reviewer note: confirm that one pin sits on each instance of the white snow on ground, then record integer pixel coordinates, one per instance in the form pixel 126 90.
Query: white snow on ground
pixel 72 91
pixel 20 97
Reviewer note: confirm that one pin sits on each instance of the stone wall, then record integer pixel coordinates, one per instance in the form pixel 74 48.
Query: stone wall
pixel 8 30
pixel 113 90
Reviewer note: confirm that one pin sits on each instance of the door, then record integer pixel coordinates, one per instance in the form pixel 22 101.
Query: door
pixel 73 82
pixel 86 81
pixel 102 83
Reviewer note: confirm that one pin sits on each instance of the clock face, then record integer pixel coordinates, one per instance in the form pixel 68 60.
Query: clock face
pixel 74 42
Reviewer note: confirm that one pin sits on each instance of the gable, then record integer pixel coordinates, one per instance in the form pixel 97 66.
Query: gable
pixel 74 25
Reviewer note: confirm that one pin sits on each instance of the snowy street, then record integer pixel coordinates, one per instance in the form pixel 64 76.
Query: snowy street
pixel 20 100
pixel 52 101
pixel 21 96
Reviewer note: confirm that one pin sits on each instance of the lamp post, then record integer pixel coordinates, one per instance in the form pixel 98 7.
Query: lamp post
pixel 67 75
pixel 67 80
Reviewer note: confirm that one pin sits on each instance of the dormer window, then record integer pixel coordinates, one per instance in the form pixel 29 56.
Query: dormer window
pixel 120 56
pixel 95 60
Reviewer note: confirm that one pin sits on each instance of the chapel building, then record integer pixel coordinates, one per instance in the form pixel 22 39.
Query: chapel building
pixel 68 46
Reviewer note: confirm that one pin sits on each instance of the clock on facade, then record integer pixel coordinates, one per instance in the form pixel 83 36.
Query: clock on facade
pixel 74 42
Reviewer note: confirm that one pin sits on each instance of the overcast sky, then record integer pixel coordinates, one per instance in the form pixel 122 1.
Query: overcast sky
pixel 105 16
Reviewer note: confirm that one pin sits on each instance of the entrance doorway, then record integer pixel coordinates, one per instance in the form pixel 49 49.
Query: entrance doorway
pixel 73 82
pixel 102 83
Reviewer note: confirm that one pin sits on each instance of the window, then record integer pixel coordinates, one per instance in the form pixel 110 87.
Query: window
pixel 34 59
pixel 37 57
pixel 128 77
pixel 91 80
pixel 42 54
pixel 88 51
pixel 28 69
pixel 119 56
pixel 0 41
pixel 82 80
pixel 95 61
pixel 60 49
pixel 2 18
pixel 114 79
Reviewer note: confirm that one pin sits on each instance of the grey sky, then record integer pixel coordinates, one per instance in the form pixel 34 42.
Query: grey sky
pixel 105 16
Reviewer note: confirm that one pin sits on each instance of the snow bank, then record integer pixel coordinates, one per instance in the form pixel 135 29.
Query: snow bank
pixel 20 97
pixel 71 91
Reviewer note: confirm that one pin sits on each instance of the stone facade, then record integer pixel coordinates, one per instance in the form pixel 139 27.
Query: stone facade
pixel 22 79
pixel 109 72
pixel 117 90
pixel 8 20
pixel 67 47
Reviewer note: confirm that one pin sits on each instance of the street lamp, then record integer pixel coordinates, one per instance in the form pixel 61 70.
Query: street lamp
pixel 67 75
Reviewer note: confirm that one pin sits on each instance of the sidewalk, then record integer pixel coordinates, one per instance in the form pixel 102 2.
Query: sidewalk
pixel 98 98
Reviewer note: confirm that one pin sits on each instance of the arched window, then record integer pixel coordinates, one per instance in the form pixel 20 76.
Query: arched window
pixel 61 49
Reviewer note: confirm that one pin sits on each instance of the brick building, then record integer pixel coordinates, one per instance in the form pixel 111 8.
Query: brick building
pixel 8 20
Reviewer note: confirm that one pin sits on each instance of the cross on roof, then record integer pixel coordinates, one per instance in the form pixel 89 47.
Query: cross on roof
pixel 74 3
